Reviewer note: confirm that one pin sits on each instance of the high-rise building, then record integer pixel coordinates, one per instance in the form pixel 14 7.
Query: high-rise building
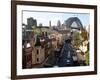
pixel 58 24
pixel 49 23
pixel 27 30
pixel 31 22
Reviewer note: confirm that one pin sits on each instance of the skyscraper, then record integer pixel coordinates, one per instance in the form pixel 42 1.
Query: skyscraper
pixel 31 22
pixel 58 24
pixel 49 23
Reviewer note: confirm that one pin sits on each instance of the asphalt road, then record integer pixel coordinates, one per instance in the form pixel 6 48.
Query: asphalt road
pixel 62 57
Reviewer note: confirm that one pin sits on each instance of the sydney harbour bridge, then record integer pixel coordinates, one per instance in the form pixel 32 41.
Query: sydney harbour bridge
pixel 70 20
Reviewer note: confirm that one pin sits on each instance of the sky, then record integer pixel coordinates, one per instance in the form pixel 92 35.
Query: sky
pixel 45 17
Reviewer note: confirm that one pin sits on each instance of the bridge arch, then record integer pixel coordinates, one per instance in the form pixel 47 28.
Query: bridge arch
pixel 70 21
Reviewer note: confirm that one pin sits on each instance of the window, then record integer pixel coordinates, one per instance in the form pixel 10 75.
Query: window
pixel 37 52
pixel 37 59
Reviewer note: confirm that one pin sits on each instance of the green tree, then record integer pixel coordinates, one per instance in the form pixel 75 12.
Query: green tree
pixel 37 31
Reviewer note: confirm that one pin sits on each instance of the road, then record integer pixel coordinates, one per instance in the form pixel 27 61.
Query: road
pixel 62 57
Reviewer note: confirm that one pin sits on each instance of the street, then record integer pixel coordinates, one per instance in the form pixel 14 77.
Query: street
pixel 62 57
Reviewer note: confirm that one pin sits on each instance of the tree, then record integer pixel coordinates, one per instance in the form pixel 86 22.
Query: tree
pixel 37 31
pixel 76 37
pixel 85 35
